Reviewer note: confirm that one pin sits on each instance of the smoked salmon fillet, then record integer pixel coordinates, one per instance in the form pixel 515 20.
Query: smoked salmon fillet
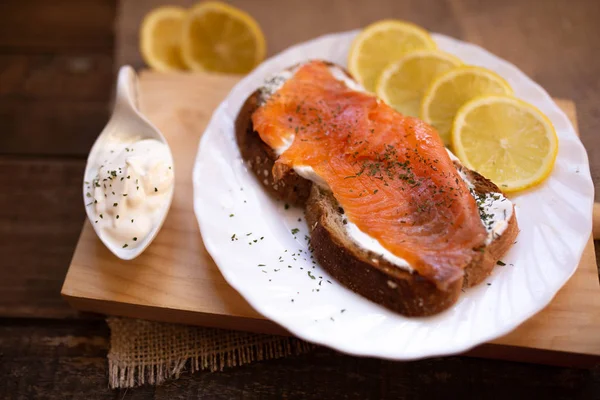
pixel 391 174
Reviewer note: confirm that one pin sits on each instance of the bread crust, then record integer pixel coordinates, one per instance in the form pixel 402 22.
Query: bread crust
pixel 380 281
pixel 362 271
pixel 287 186
pixel 482 267
pixel 260 158
pixel 367 273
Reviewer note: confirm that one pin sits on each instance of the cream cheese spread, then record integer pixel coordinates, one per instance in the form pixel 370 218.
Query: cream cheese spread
pixel 129 191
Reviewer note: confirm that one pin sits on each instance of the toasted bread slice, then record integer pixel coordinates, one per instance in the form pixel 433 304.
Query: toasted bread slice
pixel 260 158
pixel 288 186
pixel 373 277
pixel 363 271
pixel 366 273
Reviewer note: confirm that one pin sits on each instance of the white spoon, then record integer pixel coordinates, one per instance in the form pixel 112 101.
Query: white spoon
pixel 126 125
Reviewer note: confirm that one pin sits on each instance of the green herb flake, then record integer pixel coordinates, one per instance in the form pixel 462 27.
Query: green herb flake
pixel 295 230
pixel 311 275
pixel 125 245
pixel 501 263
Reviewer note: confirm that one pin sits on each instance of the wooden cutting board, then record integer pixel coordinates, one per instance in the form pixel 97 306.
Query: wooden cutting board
pixel 175 280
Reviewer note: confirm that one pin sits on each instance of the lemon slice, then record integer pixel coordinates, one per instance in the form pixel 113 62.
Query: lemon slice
pixel 506 140
pixel 220 38
pixel 449 91
pixel 381 43
pixel 160 38
pixel 403 83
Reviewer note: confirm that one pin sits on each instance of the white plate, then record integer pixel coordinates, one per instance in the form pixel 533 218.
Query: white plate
pixel 555 221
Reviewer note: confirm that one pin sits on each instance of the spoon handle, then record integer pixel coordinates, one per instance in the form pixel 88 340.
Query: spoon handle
pixel 127 89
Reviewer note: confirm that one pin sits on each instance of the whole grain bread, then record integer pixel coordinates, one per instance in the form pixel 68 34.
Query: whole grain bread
pixel 362 271
pixel 260 158
pixel 373 277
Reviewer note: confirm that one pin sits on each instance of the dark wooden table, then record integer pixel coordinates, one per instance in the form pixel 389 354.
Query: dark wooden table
pixel 56 73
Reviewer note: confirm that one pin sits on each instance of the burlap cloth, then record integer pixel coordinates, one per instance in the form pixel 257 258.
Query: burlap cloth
pixel 145 352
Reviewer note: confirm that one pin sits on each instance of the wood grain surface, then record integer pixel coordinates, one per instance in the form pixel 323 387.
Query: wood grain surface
pixel 59 56
pixel 175 280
